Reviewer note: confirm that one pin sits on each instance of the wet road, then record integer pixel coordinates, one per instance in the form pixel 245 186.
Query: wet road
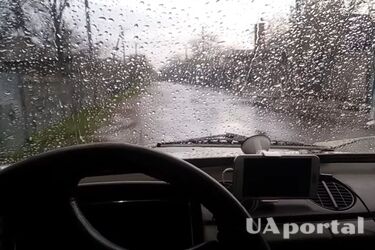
pixel 172 111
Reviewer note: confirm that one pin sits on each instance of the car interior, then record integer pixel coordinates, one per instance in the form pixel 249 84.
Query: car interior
pixel 120 196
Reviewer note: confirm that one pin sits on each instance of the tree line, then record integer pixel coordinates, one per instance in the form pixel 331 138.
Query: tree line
pixel 313 53
pixel 35 37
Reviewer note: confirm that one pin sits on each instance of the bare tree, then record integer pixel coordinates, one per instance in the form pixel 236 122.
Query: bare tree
pixel 13 17
pixel 56 10
pixel 206 45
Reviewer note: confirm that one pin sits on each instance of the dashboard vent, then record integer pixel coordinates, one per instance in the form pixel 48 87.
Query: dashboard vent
pixel 333 195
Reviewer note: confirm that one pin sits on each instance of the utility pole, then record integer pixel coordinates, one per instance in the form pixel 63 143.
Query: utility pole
pixel 123 51
pixel 136 48
pixel 203 39
pixel 88 28
pixel 186 52
pixel 91 48
pixel 122 37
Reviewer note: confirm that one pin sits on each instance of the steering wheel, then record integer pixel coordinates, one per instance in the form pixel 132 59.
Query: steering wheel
pixel 38 211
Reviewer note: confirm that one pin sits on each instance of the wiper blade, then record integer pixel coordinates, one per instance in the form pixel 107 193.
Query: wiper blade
pixel 298 145
pixel 222 139
pixel 289 143
pixel 345 142
pixel 235 140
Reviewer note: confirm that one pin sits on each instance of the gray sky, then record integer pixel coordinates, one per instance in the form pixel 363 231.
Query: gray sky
pixel 163 28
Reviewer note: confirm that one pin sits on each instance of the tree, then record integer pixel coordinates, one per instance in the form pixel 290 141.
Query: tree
pixel 306 54
pixel 34 24
pixel 56 9
pixel 207 45
pixel 13 19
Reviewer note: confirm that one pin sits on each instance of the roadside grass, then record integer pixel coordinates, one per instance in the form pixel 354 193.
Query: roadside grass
pixel 78 128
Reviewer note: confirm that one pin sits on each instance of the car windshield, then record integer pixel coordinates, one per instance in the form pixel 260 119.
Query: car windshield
pixel 152 71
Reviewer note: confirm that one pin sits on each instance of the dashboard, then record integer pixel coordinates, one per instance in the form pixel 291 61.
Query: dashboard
pixel 137 210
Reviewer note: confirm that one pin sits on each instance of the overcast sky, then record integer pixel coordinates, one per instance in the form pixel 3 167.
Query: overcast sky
pixel 164 28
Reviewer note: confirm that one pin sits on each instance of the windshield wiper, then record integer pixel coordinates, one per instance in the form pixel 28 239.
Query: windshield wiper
pixel 298 145
pixel 222 139
pixel 235 140
pixel 345 142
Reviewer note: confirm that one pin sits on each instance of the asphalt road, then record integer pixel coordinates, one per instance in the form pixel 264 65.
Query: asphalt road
pixel 173 111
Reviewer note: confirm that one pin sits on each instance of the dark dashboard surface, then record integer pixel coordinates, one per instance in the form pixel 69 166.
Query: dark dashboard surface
pixel 352 176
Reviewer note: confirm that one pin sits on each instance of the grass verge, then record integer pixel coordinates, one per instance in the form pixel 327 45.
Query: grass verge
pixel 78 128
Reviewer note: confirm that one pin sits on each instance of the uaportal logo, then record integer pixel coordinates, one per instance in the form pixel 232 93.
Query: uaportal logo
pixel 289 229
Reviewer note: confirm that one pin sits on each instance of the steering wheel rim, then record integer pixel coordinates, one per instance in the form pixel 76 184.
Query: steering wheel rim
pixel 71 164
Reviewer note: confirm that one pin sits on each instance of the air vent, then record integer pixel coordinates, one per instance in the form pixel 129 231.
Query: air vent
pixel 334 195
